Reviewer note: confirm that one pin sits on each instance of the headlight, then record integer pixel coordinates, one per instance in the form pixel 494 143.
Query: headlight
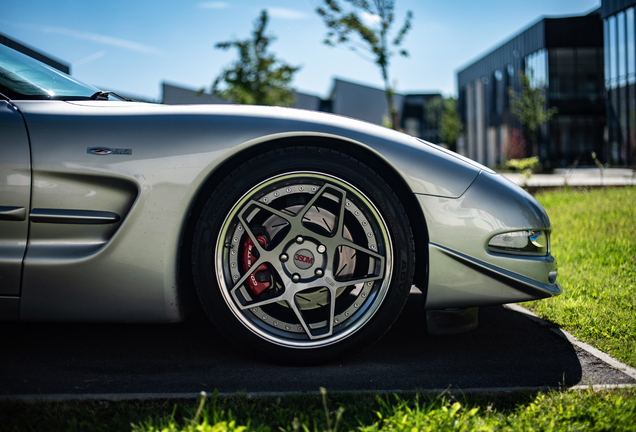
pixel 533 243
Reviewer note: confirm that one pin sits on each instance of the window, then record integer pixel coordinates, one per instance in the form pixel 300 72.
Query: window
pixel 536 66
pixel 620 25
pixel 606 61
pixel 611 47
pixel 563 83
pixel 631 50
pixel 588 73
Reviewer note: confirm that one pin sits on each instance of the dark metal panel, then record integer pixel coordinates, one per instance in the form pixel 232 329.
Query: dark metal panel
pixel 66 216
pixel 574 32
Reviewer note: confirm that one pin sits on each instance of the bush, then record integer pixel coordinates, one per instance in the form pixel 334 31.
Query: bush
pixel 523 165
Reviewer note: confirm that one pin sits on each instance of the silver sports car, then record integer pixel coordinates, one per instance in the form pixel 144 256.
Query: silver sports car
pixel 302 233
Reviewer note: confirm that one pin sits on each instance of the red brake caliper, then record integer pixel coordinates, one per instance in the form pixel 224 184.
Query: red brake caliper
pixel 259 280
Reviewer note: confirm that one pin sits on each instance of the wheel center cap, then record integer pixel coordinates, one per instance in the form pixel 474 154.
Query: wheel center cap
pixel 303 259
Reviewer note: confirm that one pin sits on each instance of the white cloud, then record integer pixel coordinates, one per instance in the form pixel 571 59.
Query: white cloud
pixel 369 19
pixel 213 5
pixel 90 58
pixel 284 13
pixel 94 37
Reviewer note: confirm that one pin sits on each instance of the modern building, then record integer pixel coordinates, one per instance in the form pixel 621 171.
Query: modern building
pixel 565 55
pixel 620 81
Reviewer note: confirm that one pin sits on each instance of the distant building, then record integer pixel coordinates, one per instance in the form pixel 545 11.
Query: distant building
pixel 362 102
pixel 346 99
pixel 565 55
pixel 11 43
pixel 175 95
pixel 620 81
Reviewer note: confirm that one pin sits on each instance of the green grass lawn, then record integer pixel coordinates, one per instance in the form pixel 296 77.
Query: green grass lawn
pixel 583 410
pixel 594 242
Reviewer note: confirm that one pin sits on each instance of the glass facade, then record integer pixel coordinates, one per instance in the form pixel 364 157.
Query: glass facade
pixel 564 57
pixel 576 90
pixel 573 82
pixel 620 88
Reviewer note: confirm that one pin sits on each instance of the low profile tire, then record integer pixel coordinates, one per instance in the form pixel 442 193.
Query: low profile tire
pixel 302 256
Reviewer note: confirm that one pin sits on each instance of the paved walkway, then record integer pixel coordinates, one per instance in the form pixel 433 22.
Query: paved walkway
pixel 577 177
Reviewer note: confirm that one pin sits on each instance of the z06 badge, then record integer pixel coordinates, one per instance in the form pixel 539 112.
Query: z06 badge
pixel 108 151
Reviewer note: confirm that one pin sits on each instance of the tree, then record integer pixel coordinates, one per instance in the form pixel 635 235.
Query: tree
pixel 433 109
pixel 450 126
pixel 441 113
pixel 529 107
pixel 346 23
pixel 257 77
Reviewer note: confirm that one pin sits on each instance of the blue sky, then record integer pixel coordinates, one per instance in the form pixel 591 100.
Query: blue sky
pixel 132 46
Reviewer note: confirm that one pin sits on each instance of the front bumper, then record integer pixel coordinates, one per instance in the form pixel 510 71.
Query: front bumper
pixel 462 272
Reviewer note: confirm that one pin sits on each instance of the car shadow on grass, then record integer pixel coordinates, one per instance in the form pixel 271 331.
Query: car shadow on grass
pixel 506 350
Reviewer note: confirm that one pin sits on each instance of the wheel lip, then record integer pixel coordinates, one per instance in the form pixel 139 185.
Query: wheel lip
pixel 336 337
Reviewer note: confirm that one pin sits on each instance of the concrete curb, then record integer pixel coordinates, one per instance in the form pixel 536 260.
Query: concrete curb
pixel 121 397
pixel 627 370
pixel 580 177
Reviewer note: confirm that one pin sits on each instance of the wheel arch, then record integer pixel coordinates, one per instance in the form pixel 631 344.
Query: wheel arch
pixel 389 174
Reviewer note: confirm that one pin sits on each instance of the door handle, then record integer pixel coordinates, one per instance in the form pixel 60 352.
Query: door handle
pixel 12 213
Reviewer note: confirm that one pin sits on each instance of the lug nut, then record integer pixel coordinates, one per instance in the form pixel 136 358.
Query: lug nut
pixel 296 277
pixel 300 239
pixel 319 272
pixel 284 257
pixel 322 249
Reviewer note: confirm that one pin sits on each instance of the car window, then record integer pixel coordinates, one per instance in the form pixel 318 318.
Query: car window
pixel 22 77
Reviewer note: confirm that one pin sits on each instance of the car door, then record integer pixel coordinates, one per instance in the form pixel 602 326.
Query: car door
pixel 15 195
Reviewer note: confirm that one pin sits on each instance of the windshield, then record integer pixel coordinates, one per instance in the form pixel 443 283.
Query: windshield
pixel 22 77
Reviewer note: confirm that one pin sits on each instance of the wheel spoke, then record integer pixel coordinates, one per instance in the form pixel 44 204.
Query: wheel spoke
pixel 330 319
pixel 316 196
pixel 332 311
pixel 267 257
pixel 268 208
pixel 355 281
pixel 262 303
pixel 251 235
pixel 247 274
pixel 301 319
pixel 362 249
pixel 341 213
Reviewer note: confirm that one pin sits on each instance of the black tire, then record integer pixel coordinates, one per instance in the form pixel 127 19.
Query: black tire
pixel 321 286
